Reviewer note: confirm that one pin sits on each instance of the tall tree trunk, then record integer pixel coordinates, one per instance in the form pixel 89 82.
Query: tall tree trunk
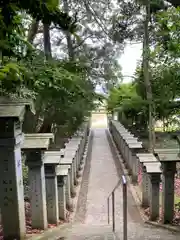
pixel 47 41
pixel 146 66
pixel 68 35
pixel 33 30
pixel 47 122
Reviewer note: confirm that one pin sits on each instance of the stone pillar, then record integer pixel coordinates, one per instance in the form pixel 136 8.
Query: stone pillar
pixel 62 197
pixel 145 188
pixel 77 162
pixel 74 174
pixel 125 151
pixel 69 204
pixel 11 180
pixel 81 158
pixel 118 142
pixel 34 160
pixel 72 153
pixel 79 154
pixel 154 196
pixel 51 194
pixel 169 169
pixel 135 167
pixel 128 156
pixel 79 166
pixel 75 170
pixel 73 192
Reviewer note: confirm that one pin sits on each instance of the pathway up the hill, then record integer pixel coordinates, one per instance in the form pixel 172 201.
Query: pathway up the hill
pixel 100 177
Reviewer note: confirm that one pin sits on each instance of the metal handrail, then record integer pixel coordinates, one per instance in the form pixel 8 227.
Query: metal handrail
pixel 124 188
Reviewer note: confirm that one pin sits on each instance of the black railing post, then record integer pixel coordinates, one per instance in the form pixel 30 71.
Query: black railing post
pixel 124 208
pixel 108 210
pixel 113 211
pixel 124 189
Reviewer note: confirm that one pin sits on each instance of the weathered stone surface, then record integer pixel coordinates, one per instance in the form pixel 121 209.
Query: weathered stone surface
pixel 145 155
pixel 169 157
pixel 38 197
pixel 66 161
pixel 52 158
pixel 51 194
pixel 12 111
pixel 154 167
pixel 37 141
pixel 166 150
pixel 135 145
pixel 20 101
pixel 62 170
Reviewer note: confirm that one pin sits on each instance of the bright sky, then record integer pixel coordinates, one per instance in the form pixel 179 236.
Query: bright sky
pixel 128 60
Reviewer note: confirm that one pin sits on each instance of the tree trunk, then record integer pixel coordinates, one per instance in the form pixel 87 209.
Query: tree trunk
pixel 146 66
pixel 68 35
pixel 47 41
pixel 46 126
pixel 47 122
pixel 33 31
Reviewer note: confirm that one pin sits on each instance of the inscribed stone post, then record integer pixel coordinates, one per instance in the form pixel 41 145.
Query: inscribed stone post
pixel 133 163
pixel 145 188
pixel 51 194
pixel 69 161
pixel 34 147
pixel 128 152
pixel 12 113
pixel 168 161
pixel 153 169
pixel 62 197
pixel 169 169
pixel 64 170
pixel 52 161
pixel 11 180
pixel 72 150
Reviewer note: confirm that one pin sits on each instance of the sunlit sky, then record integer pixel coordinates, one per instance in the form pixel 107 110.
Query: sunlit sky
pixel 128 61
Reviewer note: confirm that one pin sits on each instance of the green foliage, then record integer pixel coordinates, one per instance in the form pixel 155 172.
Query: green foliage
pixel 167 30
pixel 62 93
pixel 125 100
